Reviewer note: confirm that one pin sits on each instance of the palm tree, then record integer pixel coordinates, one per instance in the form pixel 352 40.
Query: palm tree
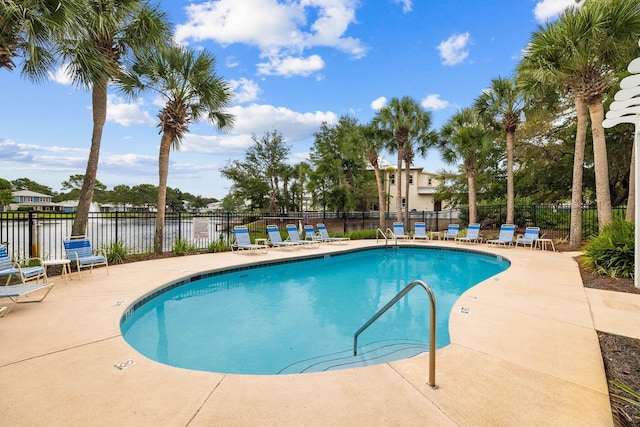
pixel 109 31
pixel 373 140
pixel 409 123
pixel 28 30
pixel 466 138
pixel 191 91
pixel 580 54
pixel 503 100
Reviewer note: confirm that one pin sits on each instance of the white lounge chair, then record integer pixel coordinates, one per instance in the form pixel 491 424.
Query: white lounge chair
pixel 531 234
pixel 243 241
pixel 398 231
pixel 506 235
pixel 294 236
pixel 420 231
pixel 452 232
pixel 78 249
pixel 275 239
pixel 9 268
pixel 322 230
pixel 16 293
pixel 473 234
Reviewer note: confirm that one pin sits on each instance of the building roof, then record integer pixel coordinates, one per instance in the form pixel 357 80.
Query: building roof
pixel 28 193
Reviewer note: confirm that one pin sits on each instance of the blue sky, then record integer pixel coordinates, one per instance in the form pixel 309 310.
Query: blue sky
pixel 293 64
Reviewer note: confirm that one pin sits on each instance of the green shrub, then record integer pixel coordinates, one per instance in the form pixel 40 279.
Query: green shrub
pixel 362 234
pixel 116 252
pixel 182 247
pixel 634 398
pixel 611 252
pixel 217 246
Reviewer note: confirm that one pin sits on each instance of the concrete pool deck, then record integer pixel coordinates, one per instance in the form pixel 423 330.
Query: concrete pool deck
pixel 524 351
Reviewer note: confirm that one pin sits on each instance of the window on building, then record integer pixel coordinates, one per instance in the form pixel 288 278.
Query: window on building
pixel 429 182
pixel 410 179
pixel 404 202
pixel 392 178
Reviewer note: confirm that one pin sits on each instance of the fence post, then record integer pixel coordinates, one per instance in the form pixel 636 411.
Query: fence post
pixel 116 226
pixel 31 232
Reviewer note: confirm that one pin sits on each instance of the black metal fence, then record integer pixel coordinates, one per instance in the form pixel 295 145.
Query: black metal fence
pixel 28 234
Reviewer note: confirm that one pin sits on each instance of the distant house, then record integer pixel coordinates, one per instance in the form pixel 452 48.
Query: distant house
pixel 35 201
pixel 423 187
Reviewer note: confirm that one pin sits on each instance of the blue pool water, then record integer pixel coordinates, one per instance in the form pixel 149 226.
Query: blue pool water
pixel 300 316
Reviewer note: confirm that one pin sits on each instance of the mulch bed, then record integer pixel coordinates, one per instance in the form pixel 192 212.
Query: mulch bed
pixel 621 355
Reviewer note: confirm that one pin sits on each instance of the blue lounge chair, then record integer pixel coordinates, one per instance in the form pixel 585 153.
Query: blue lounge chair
pixel 420 231
pixel 506 235
pixel 473 234
pixel 243 241
pixel 15 293
pixel 276 239
pixel 531 234
pixel 398 231
pixel 9 268
pixel 78 249
pixel 452 232
pixel 311 235
pixel 294 236
pixel 322 230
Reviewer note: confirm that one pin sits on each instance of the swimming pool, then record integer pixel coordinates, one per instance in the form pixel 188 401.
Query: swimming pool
pixel 300 316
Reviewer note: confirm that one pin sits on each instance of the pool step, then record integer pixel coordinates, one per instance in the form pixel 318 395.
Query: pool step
pixel 368 354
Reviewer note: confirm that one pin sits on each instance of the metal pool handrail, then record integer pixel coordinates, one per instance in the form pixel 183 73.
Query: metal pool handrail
pixel 432 322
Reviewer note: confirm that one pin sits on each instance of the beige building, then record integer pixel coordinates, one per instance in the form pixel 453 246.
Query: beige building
pixel 422 190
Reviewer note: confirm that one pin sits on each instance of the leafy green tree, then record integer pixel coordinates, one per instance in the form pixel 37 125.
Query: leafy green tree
pixel 145 195
pixel 121 195
pixel 504 101
pixel 339 165
pixel 71 189
pixel 257 177
pixel 301 174
pixel 27 184
pixel 409 123
pixel 106 34
pixel 6 196
pixel 467 139
pixel 191 90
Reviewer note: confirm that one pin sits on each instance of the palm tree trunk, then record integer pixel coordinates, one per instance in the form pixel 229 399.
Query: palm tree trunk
pixel 601 167
pixel 99 106
pixel 163 173
pixel 376 170
pixel 631 200
pixel 406 195
pixel 471 182
pixel 510 190
pixel 575 230
pixel 399 186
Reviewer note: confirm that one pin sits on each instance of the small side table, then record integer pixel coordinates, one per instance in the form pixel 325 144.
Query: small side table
pixel 433 235
pixel 542 244
pixel 261 241
pixel 66 267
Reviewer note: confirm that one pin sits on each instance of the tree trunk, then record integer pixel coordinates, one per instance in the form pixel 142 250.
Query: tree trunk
pixel 99 106
pixel 575 231
pixel 510 190
pixel 631 200
pixel 601 167
pixel 471 182
pixel 399 185
pixel 406 193
pixel 163 173
pixel 376 170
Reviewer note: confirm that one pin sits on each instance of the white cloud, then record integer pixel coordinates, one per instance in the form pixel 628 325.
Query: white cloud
pixel 257 119
pixel 61 75
pixel 406 5
pixel 244 90
pixel 549 9
pixel 379 103
pixel 454 50
pixel 291 66
pixel 280 30
pixel 434 102
pixel 127 114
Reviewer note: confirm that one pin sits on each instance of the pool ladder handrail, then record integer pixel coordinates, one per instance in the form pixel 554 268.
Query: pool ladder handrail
pixel 387 235
pixel 432 323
